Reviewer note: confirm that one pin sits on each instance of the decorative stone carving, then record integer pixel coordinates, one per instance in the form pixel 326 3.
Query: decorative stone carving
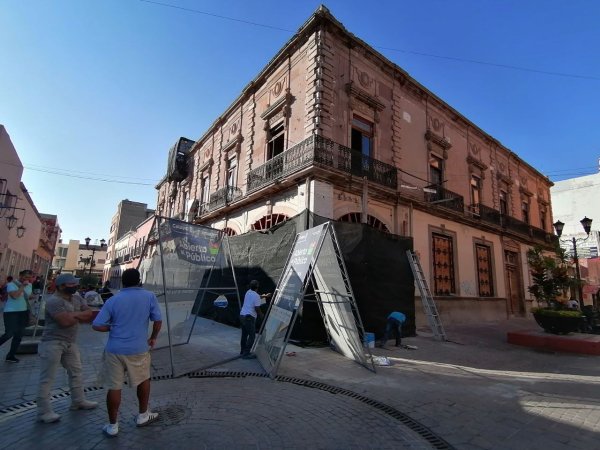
pixel 233 144
pixel 206 165
pixel 524 181
pixel 281 106
pixel 437 143
pixel 435 124
pixel 476 166
pixel 366 98
pixel 523 188
pixel 506 179
pixel 277 89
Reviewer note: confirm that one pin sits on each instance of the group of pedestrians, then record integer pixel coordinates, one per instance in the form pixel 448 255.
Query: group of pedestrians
pixel 124 316
pixel 16 311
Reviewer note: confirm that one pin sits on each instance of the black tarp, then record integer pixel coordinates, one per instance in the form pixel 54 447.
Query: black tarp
pixel 378 268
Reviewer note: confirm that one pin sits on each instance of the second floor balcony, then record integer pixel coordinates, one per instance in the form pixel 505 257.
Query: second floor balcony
pixel 437 195
pixel 494 217
pixel 317 150
pixel 223 197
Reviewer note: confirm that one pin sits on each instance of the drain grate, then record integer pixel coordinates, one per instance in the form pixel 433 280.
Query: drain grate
pixel 420 429
pixel 170 415
pixel 173 414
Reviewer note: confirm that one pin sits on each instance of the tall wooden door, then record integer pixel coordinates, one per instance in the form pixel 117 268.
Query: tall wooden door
pixel 516 301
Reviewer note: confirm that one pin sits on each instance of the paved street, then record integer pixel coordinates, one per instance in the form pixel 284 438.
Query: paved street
pixel 477 392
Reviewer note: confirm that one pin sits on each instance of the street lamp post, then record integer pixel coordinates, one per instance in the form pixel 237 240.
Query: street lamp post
pixel 94 248
pixel 587 226
pixel 84 262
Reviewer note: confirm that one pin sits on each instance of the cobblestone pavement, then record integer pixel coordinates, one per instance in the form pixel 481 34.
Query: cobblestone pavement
pixel 477 392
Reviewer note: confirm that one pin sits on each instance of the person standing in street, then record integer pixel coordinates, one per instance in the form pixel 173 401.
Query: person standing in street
pixel 393 325
pixel 65 309
pixel 16 312
pixel 249 313
pixel 125 316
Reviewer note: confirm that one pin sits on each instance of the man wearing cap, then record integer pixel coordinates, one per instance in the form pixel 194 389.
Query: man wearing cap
pixel 16 312
pixel 65 309
pixel 248 314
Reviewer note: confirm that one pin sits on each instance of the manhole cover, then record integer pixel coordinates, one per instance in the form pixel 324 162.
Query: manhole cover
pixel 170 415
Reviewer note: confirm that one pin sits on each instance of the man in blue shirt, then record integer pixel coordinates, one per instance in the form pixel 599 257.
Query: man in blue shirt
pixel 16 312
pixel 125 317
pixel 394 324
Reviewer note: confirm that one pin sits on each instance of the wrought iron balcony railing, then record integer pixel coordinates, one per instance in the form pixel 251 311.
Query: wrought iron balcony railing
pixel 436 194
pixel 325 152
pixel 494 217
pixel 223 197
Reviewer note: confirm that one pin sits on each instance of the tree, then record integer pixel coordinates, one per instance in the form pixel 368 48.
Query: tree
pixel 550 275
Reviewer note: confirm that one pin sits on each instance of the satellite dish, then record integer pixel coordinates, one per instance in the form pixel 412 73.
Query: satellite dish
pixel 221 301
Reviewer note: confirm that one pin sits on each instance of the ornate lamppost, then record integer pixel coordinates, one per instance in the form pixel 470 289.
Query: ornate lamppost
pixel 587 226
pixel 94 248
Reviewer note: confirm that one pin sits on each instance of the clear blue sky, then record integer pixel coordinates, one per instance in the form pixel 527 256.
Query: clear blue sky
pixel 100 90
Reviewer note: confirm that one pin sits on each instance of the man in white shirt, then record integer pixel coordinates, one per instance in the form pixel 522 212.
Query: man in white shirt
pixel 248 314
pixel 92 298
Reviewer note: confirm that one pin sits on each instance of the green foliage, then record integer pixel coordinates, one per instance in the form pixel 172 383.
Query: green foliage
pixel 550 275
pixel 556 312
pixel 89 280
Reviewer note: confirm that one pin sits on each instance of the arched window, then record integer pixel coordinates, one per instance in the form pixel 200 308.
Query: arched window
pixel 229 231
pixel 269 221
pixel 374 222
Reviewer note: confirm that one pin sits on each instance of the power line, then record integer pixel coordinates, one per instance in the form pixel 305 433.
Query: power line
pixel 429 55
pixel 196 11
pixel 485 63
pixel 106 180
pixel 69 171
pixel 94 177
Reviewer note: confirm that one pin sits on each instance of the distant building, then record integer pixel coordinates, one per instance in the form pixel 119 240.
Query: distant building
pixel 49 236
pixel 128 217
pixel 572 200
pixel 332 126
pixel 128 250
pixel 77 259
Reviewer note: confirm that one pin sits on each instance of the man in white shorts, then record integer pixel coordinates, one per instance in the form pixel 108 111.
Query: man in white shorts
pixel 125 316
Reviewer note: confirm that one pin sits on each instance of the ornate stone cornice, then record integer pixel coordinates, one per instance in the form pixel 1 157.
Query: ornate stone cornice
pixel 525 191
pixel 434 139
pixel 209 162
pixel 501 177
pixel 281 104
pixel 236 143
pixel 475 162
pixel 364 97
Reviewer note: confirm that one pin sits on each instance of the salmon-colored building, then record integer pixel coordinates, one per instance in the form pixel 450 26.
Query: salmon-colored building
pixel 332 126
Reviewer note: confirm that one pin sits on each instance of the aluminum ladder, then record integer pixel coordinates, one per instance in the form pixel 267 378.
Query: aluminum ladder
pixel 428 304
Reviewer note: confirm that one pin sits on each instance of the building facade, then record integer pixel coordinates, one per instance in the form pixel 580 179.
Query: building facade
pixel 27 238
pixel 572 200
pixel 128 217
pixel 128 251
pixel 332 126
pixel 79 259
